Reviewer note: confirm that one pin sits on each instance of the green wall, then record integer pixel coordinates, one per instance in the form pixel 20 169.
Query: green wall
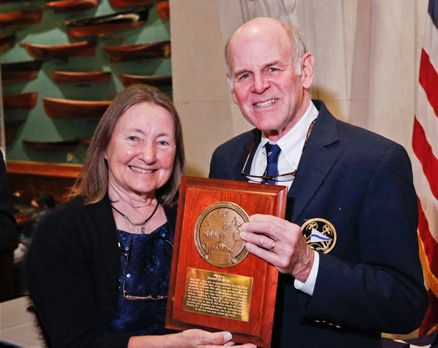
pixel 37 125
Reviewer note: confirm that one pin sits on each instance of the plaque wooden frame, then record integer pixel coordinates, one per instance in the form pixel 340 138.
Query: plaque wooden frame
pixel 196 194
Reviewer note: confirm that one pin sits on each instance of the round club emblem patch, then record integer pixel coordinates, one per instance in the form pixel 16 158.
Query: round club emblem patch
pixel 320 234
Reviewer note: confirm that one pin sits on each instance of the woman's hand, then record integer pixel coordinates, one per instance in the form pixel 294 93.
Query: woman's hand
pixel 204 339
pixel 193 338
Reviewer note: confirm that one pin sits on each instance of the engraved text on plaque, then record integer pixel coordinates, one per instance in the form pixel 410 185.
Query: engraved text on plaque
pixel 219 294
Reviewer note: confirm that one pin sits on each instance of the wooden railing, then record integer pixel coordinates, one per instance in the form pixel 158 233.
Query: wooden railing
pixel 44 168
pixel 27 178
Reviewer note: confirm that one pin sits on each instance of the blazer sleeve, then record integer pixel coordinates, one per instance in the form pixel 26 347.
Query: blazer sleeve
pixel 7 220
pixel 384 291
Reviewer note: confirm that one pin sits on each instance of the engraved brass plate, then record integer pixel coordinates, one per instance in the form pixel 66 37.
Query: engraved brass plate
pixel 217 234
pixel 218 294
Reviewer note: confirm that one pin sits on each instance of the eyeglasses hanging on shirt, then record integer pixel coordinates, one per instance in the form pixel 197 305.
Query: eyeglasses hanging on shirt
pixel 167 245
pixel 278 177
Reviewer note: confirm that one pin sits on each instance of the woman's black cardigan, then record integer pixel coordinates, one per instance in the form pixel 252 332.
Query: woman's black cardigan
pixel 72 273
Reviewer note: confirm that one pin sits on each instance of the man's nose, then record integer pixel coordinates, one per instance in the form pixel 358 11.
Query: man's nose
pixel 261 83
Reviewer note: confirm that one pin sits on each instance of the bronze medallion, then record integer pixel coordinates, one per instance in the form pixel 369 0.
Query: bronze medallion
pixel 217 234
pixel 320 234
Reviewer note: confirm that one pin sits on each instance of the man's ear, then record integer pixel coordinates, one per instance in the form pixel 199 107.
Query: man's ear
pixel 233 93
pixel 307 69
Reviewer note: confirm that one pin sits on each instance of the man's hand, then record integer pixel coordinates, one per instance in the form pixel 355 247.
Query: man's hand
pixel 290 254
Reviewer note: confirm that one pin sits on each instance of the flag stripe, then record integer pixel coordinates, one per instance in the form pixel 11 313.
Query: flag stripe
pixel 424 153
pixel 425 164
pixel 429 44
pixel 429 323
pixel 429 203
pixel 429 250
pixel 429 80
pixel 429 122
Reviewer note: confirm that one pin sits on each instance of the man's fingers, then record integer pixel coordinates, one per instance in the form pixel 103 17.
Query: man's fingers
pixel 279 222
pixel 264 254
pixel 262 230
pixel 261 240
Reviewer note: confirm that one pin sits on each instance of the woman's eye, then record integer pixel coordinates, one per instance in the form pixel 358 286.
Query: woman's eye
pixel 272 69
pixel 163 142
pixel 133 138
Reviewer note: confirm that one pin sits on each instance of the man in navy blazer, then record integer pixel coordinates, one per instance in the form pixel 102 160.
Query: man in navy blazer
pixel 347 250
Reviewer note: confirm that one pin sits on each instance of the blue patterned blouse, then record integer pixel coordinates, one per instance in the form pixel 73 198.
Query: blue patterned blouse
pixel 145 268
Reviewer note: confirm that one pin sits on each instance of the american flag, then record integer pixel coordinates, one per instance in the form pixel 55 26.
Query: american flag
pixel 425 164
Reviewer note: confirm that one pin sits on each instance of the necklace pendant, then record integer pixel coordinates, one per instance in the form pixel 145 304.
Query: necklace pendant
pixel 142 229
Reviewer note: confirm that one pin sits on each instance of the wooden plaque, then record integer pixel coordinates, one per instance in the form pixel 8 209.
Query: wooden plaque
pixel 209 289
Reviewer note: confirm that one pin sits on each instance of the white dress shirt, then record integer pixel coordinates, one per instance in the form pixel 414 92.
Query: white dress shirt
pixel 291 145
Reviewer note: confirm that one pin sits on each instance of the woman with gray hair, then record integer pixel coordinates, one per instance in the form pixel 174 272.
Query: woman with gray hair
pixel 98 269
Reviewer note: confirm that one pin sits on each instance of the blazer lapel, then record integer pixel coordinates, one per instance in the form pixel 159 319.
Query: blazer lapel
pixel 242 154
pixel 317 159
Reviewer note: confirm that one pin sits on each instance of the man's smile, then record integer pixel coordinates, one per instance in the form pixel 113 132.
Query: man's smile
pixel 266 103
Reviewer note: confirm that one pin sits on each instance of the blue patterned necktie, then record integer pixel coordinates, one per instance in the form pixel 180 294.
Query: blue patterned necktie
pixel 273 152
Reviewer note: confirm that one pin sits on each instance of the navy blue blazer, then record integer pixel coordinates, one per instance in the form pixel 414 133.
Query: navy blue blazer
pixel 371 282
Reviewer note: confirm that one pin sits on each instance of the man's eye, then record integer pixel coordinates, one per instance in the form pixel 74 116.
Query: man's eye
pixel 273 69
pixel 244 76
pixel 133 138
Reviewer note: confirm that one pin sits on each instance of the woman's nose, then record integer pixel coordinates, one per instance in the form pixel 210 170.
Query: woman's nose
pixel 148 153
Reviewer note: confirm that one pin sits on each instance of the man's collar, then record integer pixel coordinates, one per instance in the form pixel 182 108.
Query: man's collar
pixel 300 128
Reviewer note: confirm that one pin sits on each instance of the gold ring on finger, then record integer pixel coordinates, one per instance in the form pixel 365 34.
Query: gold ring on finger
pixel 273 246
